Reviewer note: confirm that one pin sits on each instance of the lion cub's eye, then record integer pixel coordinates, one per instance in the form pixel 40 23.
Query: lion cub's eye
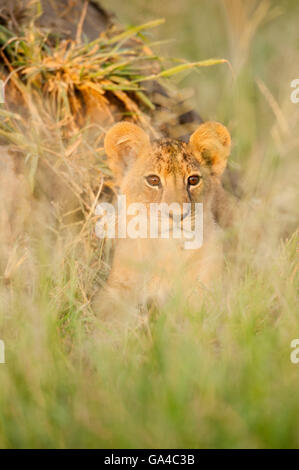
pixel 193 180
pixel 153 180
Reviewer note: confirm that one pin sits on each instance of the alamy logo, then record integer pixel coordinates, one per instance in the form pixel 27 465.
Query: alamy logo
pixel 155 220
pixel 2 352
pixel 295 93
pixel 2 92
pixel 294 356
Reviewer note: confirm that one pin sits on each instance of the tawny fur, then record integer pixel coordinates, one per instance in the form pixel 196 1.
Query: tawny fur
pixel 145 269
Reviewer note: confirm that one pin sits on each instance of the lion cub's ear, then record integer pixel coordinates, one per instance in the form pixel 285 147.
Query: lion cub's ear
pixel 123 143
pixel 211 144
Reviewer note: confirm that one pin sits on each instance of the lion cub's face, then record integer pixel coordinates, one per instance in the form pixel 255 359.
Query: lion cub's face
pixel 167 171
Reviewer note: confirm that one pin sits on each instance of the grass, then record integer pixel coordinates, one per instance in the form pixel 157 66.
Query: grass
pixel 218 376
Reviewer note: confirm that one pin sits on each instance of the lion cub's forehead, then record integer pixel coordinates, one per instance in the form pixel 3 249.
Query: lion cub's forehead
pixel 172 156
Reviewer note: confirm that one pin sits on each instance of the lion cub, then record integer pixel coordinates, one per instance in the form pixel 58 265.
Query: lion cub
pixel 166 172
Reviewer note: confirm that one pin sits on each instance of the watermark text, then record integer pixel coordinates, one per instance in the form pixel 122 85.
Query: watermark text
pixel 155 220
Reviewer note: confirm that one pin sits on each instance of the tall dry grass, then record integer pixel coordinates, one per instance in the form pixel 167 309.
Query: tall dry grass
pixel 218 376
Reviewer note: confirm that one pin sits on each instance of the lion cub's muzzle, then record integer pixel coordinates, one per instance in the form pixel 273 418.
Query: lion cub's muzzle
pixel 178 216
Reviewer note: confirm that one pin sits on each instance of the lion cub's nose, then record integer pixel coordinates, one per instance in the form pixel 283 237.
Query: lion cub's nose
pixel 179 215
